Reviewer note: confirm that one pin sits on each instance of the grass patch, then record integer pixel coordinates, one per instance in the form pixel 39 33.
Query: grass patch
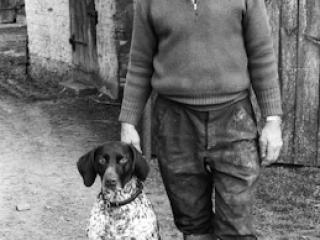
pixel 288 201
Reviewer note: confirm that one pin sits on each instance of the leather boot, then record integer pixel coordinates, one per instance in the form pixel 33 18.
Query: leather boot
pixel 199 237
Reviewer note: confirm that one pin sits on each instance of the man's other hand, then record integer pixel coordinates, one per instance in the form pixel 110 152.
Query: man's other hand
pixel 270 142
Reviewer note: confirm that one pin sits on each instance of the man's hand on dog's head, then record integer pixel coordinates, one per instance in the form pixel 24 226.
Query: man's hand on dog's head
pixel 130 135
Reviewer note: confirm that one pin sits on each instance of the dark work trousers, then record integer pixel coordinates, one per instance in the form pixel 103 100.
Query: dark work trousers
pixel 202 151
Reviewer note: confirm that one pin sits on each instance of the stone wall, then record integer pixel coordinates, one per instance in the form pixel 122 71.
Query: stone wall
pixel 13 57
pixel 13 38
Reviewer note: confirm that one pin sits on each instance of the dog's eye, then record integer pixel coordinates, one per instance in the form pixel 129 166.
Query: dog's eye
pixel 102 161
pixel 122 160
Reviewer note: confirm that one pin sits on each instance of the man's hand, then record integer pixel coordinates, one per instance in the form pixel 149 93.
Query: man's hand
pixel 270 142
pixel 130 135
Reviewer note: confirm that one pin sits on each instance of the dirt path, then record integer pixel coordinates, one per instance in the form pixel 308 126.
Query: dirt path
pixel 40 143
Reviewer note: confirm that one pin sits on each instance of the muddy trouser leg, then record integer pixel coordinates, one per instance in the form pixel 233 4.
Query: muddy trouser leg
pixel 180 139
pixel 184 146
pixel 235 166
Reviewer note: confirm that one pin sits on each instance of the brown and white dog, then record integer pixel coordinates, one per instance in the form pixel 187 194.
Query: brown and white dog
pixel 122 210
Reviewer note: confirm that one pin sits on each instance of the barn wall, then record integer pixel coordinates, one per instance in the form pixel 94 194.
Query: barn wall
pixel 295 27
pixel 48 25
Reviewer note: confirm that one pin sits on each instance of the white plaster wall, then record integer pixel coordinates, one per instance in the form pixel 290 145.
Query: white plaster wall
pixel 48 24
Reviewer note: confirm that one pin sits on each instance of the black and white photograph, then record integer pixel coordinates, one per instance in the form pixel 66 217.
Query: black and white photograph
pixel 159 119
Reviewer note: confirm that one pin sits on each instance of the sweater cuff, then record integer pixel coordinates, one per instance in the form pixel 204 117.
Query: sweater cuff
pixel 128 116
pixel 270 102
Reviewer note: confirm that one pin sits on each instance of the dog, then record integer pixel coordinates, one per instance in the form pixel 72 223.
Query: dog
pixel 122 211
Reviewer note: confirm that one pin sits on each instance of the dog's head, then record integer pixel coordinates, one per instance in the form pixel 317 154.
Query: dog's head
pixel 114 162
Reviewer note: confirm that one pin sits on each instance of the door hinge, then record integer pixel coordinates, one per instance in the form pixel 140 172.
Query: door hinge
pixel 73 42
pixel 93 14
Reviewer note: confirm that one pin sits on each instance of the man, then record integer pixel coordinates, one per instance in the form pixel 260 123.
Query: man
pixel 201 57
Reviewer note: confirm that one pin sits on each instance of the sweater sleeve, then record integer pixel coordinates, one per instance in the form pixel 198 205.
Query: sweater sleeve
pixel 262 64
pixel 143 46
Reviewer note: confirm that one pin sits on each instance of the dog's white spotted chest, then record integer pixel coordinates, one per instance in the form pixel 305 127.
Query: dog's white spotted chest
pixel 135 220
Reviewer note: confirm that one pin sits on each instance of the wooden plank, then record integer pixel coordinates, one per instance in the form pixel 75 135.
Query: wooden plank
pixel 307 122
pixel 123 21
pixel 274 17
pixel 21 13
pixel 107 47
pixel 7 15
pixel 92 60
pixel 288 59
pixel 83 31
pixel 79 28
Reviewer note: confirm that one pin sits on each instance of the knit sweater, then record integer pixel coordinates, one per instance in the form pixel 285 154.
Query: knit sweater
pixel 200 54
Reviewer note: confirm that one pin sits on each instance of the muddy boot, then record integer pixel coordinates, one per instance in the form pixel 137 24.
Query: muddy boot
pixel 199 237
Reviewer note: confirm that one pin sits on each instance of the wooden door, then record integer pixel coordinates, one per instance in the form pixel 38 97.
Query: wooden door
pixel 84 18
pixel 123 28
pixel 296 33
pixel 307 131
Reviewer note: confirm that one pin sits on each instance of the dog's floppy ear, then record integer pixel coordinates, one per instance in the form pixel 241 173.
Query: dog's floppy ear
pixel 141 167
pixel 86 168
